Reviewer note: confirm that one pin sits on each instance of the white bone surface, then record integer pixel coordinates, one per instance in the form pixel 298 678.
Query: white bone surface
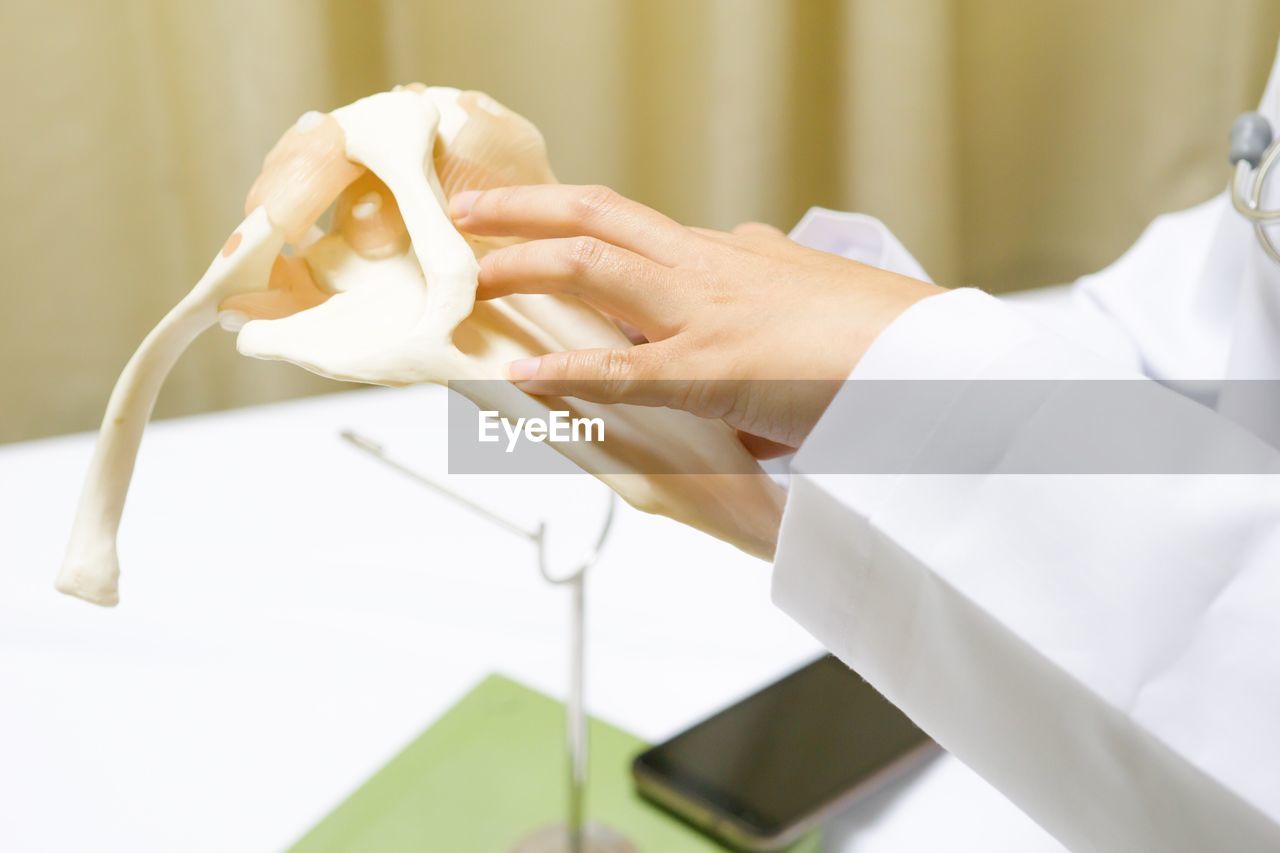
pixel 408 318
pixel 91 568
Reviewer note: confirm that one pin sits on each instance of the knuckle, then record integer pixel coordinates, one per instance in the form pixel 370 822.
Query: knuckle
pixel 688 395
pixel 594 203
pixel 616 364
pixel 612 369
pixel 585 255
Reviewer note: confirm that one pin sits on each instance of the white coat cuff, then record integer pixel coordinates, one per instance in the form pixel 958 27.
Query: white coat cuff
pixel 954 335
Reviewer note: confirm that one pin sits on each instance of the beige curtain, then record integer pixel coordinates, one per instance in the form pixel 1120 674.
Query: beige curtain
pixel 1009 144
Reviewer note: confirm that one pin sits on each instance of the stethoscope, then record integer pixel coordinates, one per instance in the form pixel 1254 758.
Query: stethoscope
pixel 1253 153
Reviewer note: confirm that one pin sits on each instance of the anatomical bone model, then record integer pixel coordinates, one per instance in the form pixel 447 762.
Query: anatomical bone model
pixel 387 297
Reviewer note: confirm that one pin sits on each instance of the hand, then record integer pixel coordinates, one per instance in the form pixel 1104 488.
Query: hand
pixel 718 311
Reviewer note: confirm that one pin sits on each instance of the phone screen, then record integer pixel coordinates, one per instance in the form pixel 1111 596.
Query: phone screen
pixel 785 752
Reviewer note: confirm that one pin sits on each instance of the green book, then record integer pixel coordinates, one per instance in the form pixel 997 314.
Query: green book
pixel 488 773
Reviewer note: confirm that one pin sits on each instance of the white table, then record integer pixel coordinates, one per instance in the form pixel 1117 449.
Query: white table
pixel 292 614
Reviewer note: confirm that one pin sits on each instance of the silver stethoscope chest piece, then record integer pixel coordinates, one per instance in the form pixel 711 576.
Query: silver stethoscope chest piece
pixel 1254 152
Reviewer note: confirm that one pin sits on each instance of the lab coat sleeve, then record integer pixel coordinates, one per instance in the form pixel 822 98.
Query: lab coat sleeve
pixel 1104 649
pixel 1168 306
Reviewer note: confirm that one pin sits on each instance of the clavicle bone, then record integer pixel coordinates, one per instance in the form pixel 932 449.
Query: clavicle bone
pixel 387 297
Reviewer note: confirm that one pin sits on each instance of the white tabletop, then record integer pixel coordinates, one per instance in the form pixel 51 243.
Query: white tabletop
pixel 292 614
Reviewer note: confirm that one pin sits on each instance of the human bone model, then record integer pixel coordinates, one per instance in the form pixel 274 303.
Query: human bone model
pixel 387 297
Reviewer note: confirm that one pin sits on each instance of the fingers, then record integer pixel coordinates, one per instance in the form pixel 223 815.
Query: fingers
pixel 600 376
pixel 618 282
pixel 558 210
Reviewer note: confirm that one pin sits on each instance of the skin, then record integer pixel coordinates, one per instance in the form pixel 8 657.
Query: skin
pixel 718 312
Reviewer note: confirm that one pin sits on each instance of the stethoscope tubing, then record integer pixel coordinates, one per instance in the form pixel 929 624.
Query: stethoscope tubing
pixel 1246 197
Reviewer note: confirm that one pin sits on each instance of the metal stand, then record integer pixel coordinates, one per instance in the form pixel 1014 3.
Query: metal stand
pixel 575 835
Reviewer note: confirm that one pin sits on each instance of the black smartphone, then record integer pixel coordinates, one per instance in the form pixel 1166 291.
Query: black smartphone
pixel 763 772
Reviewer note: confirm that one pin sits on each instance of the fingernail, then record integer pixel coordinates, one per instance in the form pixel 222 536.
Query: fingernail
pixel 460 205
pixel 522 369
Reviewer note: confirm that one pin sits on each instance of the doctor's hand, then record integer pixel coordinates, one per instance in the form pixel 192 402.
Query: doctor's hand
pixel 718 311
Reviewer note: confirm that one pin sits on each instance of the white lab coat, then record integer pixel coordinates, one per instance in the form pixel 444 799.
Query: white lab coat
pixel 1104 650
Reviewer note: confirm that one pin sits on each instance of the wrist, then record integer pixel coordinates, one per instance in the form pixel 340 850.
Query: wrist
pixel 874 307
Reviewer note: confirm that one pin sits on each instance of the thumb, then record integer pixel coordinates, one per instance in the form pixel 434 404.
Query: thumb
pixel 598 375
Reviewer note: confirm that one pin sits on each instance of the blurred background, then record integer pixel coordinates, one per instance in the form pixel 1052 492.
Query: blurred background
pixel 1010 145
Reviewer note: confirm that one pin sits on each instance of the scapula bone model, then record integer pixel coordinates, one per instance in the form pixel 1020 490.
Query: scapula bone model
pixel 387 297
